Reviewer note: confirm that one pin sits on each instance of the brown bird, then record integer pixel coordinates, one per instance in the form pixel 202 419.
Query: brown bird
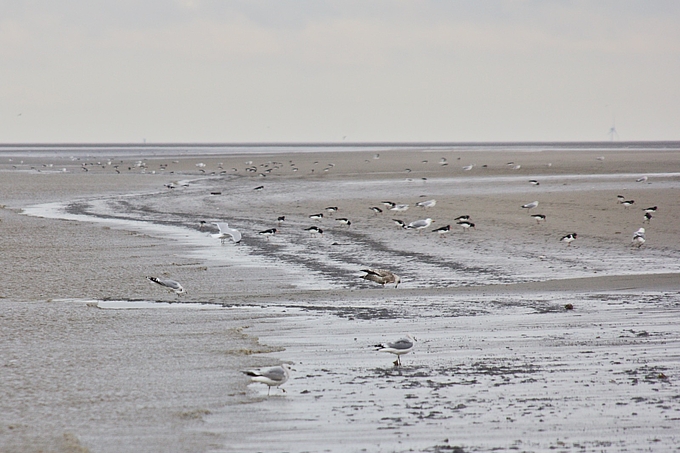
pixel 381 276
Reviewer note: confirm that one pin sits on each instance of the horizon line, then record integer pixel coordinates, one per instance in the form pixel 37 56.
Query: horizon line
pixel 604 144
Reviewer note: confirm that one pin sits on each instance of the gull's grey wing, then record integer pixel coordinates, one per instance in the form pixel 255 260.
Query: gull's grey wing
pixel 404 343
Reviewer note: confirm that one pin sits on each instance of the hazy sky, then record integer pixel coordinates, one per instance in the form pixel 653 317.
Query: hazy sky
pixel 313 70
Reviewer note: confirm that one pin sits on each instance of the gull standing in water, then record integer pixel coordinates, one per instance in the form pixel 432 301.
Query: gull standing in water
pixel 399 347
pixel 273 377
pixel 226 232
pixel 172 285
pixel 639 237
pixel 531 205
pixel 420 224
pixel 381 276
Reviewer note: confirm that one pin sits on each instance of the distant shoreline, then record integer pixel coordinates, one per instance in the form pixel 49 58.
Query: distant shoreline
pixel 661 144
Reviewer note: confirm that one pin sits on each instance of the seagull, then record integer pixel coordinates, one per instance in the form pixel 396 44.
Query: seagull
pixel 427 203
pixel 642 179
pixel 399 223
pixel 269 232
pixel 399 207
pixel 314 229
pixel 419 224
pixel 539 217
pixel 226 232
pixel 273 377
pixel 531 205
pixel 466 225
pixel 639 237
pixel 569 238
pixel 399 347
pixel 172 285
pixel 344 221
pixel 376 210
pixel 381 276
pixel 468 167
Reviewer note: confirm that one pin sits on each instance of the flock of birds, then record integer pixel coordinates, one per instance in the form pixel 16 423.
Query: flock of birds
pixel 278 375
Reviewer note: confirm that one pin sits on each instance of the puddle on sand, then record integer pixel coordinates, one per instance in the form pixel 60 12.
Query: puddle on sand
pixel 142 304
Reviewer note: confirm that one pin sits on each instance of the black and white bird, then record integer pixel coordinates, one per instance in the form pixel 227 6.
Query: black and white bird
pixel 620 198
pixel 638 238
pixel 268 233
pixel 389 204
pixel 376 210
pixel 398 348
pixel 171 285
pixel 627 203
pixel 531 205
pixel 273 377
pixel 399 207
pixel 466 225
pixel 651 209
pixel 462 218
pixel 442 230
pixel 400 223
pixel 331 209
pixel 226 232
pixel 344 221
pixel 534 182
pixel 318 216
pixel 381 276
pixel 314 229
pixel 259 188
pixel 648 217
pixel 281 219
pixel 569 238
pixel 419 224
pixel 539 218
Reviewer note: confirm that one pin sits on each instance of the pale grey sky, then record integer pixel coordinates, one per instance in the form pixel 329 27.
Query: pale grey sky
pixel 313 70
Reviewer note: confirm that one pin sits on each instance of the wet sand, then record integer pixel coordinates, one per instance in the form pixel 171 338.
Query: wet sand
pixel 499 362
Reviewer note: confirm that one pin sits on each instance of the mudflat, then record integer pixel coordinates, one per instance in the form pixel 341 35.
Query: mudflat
pixel 523 341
